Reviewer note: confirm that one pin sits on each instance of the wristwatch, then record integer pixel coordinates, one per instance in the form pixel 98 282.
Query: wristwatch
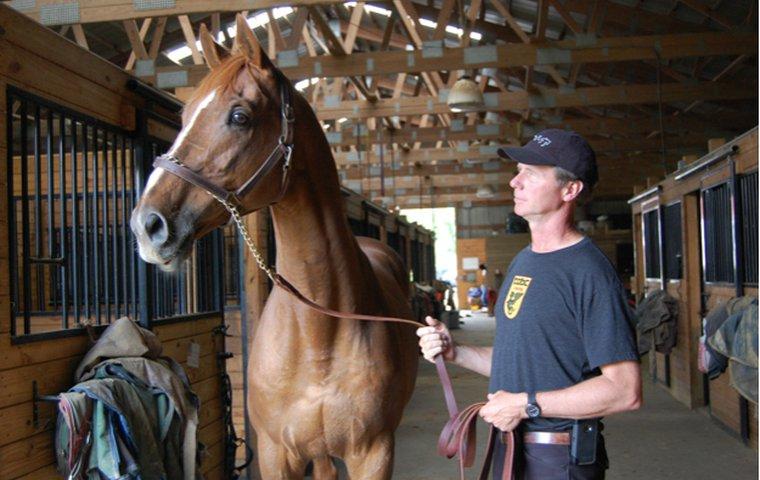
pixel 532 409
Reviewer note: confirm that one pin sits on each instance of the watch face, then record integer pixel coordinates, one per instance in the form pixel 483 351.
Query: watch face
pixel 533 411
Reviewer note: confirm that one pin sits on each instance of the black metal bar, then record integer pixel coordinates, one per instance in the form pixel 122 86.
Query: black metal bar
pixel 96 224
pixel 50 188
pixel 115 226
pixel 145 278
pixel 38 269
pixel 12 231
pixel 105 236
pixel 62 216
pixel 132 253
pixel 85 217
pixel 75 277
pixel 25 217
pixel 124 237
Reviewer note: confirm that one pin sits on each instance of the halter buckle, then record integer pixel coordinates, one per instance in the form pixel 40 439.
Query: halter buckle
pixel 288 113
pixel 287 156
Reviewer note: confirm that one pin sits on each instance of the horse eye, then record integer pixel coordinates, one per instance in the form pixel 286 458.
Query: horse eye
pixel 239 117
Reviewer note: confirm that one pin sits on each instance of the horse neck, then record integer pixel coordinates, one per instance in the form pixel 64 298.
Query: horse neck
pixel 316 250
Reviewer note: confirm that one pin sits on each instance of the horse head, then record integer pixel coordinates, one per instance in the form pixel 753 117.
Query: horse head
pixel 234 146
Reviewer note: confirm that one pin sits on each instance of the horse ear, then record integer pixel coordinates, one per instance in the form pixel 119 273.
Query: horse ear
pixel 212 51
pixel 247 44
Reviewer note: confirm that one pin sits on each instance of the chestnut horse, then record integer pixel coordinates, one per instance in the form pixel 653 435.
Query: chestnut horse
pixel 319 387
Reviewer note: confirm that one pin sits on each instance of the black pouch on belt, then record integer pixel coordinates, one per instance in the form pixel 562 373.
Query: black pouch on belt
pixel 583 441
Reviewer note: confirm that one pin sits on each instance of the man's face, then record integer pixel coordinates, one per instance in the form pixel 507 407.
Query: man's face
pixel 536 190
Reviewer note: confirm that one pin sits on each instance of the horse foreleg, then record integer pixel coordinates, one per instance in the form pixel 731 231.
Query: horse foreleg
pixel 277 463
pixel 373 463
pixel 324 469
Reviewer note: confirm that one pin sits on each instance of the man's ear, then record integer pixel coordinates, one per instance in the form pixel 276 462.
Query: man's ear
pixel 212 51
pixel 572 190
pixel 247 44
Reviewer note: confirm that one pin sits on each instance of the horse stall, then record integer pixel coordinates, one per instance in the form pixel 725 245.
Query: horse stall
pixel 695 233
pixel 78 144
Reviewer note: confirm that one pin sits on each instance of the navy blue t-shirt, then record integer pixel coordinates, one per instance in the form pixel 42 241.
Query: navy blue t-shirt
pixel 559 317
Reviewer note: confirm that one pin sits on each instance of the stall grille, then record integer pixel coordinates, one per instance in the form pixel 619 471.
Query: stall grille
pixel 672 241
pixel 716 231
pixel 651 244
pixel 72 185
pixel 748 203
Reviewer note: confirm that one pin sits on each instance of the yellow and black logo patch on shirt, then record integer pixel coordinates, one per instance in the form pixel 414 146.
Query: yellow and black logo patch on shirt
pixel 515 295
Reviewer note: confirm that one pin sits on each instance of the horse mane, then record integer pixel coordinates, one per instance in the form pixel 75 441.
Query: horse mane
pixel 222 76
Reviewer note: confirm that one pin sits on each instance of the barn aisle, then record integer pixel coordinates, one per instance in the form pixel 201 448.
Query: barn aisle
pixel 662 440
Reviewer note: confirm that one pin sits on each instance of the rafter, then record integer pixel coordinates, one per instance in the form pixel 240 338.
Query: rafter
pixel 550 98
pixel 603 50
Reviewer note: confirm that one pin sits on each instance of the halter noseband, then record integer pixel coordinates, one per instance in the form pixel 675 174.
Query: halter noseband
pixel 282 152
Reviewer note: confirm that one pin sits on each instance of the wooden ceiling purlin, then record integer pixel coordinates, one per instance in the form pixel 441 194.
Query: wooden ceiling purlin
pixel 603 50
pixel 674 147
pixel 550 99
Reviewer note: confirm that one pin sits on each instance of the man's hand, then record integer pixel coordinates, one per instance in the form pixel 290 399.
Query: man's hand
pixel 505 410
pixel 436 339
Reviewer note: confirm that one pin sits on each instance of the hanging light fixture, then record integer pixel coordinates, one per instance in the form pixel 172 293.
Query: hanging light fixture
pixel 465 96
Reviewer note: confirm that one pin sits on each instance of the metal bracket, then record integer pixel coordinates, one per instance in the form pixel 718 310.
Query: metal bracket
pixel 36 398
pixel 221 330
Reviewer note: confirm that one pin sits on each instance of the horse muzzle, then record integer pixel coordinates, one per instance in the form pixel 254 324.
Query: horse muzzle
pixel 160 240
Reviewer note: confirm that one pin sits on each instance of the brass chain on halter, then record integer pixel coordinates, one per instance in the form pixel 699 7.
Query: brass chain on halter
pixel 238 219
pixel 246 236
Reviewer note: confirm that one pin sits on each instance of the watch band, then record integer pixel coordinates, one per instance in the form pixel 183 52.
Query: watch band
pixel 532 398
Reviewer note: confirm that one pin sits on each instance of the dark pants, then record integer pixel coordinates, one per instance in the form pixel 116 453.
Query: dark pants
pixel 549 462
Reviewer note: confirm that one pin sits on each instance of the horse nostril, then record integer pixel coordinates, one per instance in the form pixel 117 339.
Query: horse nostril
pixel 155 228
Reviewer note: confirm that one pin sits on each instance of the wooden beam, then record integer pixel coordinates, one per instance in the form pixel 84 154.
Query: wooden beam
pixel 353 28
pixel 142 33
pixel 347 136
pixel 94 11
pixel 707 12
pixel 603 50
pixel 79 36
pixel 296 27
pixel 550 98
pixel 135 40
pixel 393 170
pixel 674 145
pixel 338 50
pixel 187 31
pixel 158 35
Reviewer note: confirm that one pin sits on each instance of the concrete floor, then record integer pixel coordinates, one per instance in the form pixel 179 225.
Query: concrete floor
pixel 662 440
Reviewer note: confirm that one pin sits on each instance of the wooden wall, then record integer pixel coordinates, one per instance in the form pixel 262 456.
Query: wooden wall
pixel 685 382
pixel 38 61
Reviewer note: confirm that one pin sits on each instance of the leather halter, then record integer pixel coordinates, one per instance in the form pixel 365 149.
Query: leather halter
pixel 282 152
pixel 458 435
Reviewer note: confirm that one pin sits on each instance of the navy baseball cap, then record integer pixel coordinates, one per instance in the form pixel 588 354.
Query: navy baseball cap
pixel 559 148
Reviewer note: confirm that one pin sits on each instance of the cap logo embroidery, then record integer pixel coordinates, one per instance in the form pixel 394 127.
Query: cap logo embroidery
pixel 541 140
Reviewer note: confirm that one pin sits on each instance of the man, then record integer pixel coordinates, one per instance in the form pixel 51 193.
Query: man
pixel 563 354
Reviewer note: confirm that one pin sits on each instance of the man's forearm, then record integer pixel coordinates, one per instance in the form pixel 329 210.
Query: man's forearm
pixel 477 359
pixel 596 397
